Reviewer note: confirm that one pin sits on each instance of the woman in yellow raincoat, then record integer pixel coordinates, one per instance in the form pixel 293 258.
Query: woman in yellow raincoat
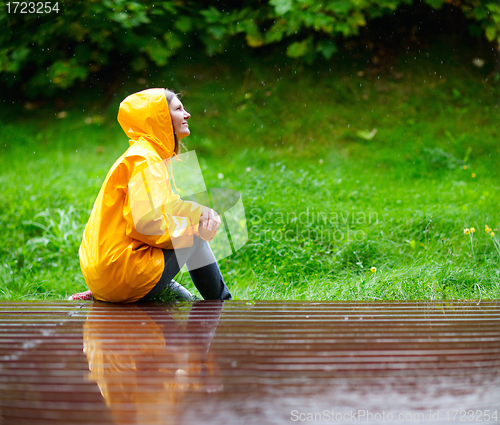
pixel 127 252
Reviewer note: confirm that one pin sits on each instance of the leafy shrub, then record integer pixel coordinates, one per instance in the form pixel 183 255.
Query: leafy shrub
pixel 96 36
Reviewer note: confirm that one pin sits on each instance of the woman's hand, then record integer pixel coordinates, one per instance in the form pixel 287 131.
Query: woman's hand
pixel 209 223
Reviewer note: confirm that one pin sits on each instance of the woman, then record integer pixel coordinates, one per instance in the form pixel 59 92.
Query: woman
pixel 127 252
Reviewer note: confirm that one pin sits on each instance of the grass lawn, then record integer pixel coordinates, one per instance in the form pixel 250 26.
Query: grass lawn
pixel 357 184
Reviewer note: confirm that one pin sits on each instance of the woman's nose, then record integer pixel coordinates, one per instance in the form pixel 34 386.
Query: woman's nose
pixel 187 115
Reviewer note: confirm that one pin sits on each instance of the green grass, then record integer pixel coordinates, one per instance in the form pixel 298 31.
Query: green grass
pixel 326 198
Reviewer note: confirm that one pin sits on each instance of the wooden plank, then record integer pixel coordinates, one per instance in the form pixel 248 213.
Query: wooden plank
pixel 247 362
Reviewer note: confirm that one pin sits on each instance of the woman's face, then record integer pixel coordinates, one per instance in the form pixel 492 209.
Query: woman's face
pixel 179 118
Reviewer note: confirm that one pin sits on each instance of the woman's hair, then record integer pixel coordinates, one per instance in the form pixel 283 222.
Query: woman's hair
pixel 170 95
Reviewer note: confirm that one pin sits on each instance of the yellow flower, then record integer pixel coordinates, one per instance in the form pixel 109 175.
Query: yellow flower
pixel 492 234
pixel 487 229
pixel 472 230
pixel 473 175
pixel 466 231
pixel 465 167
pixel 373 269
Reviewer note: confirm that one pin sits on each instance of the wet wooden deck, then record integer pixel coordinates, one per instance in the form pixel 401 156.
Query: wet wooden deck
pixel 249 363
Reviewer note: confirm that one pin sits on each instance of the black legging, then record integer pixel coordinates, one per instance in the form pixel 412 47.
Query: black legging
pixel 202 267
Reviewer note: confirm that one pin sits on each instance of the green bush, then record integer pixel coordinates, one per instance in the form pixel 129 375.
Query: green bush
pixel 97 36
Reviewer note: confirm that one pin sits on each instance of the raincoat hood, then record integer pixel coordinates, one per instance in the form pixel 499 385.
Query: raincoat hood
pixel 145 115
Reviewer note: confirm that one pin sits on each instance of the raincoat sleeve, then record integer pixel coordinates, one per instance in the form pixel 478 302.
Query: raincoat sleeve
pixel 156 215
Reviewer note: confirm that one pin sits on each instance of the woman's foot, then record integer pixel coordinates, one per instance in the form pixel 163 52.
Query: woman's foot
pixel 181 293
pixel 82 296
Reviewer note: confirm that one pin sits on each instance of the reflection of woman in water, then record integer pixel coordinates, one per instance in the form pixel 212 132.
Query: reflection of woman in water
pixel 140 375
pixel 126 260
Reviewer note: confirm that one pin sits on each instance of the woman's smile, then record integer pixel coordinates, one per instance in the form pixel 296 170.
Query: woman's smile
pixel 179 118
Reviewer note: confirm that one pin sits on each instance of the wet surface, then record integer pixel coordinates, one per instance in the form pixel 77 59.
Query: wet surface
pixel 249 362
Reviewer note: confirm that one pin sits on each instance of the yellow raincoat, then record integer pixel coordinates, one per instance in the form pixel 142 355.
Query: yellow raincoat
pixel 120 262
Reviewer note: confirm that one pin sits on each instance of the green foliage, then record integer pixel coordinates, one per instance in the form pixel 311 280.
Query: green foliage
pixel 60 234
pixel 487 14
pixel 94 36
pixel 88 37
pixel 397 200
